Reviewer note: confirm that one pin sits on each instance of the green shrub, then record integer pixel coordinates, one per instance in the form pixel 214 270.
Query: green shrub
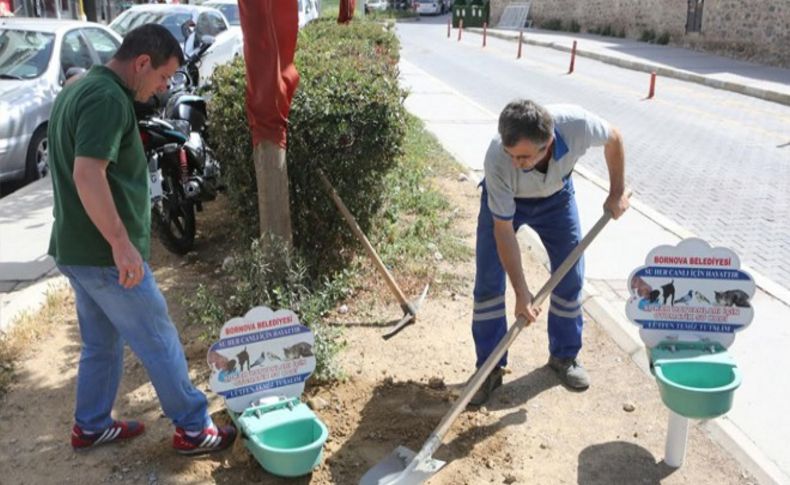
pixel 552 24
pixel 663 39
pixel 607 31
pixel 648 35
pixel 277 278
pixel 574 26
pixel 347 116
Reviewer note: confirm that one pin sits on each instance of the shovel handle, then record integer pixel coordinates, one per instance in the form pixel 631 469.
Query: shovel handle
pixel 441 430
pixel 352 223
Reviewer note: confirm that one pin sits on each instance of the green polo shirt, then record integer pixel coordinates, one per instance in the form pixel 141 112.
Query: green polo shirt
pixel 94 117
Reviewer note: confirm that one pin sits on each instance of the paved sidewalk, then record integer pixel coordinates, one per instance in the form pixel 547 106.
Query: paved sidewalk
pixel 765 82
pixel 756 428
pixel 26 271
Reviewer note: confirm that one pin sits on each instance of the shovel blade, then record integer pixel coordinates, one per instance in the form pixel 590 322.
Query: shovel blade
pixel 398 468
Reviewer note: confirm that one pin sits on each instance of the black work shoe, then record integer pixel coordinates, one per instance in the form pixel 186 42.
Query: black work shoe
pixel 493 381
pixel 570 372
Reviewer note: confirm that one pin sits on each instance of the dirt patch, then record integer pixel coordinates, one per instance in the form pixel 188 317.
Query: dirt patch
pixel 533 431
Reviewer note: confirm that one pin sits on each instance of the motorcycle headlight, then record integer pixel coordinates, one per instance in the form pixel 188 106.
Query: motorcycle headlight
pixel 178 80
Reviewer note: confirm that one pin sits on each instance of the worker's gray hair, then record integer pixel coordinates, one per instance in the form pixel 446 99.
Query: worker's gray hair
pixel 525 119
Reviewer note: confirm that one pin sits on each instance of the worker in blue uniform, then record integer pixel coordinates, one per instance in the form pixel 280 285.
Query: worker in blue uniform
pixel 528 169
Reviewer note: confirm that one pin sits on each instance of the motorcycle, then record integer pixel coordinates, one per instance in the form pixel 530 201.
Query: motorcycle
pixel 183 170
pixel 183 175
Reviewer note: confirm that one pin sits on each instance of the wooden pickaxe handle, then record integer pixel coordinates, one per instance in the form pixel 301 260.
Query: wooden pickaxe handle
pixel 404 304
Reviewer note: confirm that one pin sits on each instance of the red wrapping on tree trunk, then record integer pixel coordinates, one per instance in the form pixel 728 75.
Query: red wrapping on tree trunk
pixel 346 12
pixel 270 28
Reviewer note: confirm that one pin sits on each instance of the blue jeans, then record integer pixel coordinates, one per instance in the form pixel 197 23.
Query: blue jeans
pixel 556 220
pixel 110 315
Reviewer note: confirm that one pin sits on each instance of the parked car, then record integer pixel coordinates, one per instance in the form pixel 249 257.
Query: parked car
pixel 204 20
pixel 436 7
pixel 35 55
pixel 229 8
pixel 222 52
pixel 376 6
pixel 308 11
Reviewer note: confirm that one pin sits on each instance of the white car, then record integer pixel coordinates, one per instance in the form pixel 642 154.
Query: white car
pixel 221 52
pixel 207 21
pixel 308 11
pixel 35 55
pixel 436 7
pixel 376 6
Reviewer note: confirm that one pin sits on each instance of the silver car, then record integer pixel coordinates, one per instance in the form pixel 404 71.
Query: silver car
pixel 35 55
pixel 207 21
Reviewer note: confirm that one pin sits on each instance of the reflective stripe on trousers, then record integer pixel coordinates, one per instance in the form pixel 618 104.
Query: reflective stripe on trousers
pixel 556 220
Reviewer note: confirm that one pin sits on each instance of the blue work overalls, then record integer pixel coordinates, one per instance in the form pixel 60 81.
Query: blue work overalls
pixel 556 220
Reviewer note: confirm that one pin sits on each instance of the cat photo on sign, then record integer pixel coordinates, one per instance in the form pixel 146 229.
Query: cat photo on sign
pixel 737 298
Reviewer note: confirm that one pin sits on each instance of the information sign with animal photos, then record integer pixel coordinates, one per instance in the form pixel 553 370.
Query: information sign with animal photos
pixel 691 291
pixel 264 353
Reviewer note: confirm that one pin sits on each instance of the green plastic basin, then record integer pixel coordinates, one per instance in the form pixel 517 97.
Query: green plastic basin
pixel 697 389
pixel 291 449
pixel 286 438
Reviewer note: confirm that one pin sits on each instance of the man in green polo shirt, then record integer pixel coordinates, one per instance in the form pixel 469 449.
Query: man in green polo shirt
pixel 101 239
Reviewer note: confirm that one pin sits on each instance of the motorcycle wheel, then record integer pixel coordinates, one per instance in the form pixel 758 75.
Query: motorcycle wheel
pixel 175 223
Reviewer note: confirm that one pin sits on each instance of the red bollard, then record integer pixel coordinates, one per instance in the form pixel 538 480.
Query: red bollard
pixel 485 32
pixel 573 58
pixel 460 28
pixel 449 25
pixel 520 42
pixel 652 91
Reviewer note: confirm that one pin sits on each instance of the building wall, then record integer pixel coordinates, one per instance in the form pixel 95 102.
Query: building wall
pixel 756 30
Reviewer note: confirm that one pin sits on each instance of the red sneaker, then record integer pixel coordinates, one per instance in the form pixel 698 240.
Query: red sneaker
pixel 119 430
pixel 209 440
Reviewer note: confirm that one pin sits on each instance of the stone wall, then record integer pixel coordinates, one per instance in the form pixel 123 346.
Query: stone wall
pixel 756 30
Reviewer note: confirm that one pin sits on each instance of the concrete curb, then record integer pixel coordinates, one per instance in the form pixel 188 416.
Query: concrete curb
pixel 681 74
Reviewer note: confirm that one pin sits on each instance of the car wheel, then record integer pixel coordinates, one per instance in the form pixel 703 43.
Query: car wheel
pixel 37 163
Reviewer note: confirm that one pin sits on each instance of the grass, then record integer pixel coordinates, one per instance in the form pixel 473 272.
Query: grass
pixel 31 327
pixel 416 218
pixel 391 14
pixel 331 8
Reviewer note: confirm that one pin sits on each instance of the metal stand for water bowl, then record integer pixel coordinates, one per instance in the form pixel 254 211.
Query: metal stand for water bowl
pixel 677 437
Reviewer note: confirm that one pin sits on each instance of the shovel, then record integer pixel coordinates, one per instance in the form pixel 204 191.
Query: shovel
pixel 409 308
pixel 403 466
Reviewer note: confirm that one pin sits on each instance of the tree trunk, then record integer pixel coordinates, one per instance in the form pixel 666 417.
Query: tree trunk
pixel 274 207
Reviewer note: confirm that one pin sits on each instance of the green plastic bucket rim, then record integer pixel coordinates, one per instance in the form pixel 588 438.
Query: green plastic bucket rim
pixel 734 384
pixel 320 440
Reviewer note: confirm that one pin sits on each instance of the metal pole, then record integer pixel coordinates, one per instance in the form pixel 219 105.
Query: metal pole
pixel 460 28
pixel 677 438
pixel 485 32
pixel 573 58
pixel 652 91
pixel 520 43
